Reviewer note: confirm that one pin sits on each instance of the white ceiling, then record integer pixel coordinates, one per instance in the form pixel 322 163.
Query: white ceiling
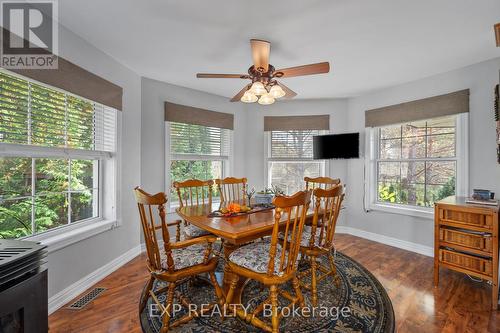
pixel 370 44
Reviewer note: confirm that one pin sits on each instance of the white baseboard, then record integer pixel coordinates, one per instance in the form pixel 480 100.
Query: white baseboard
pixel 70 292
pixel 405 245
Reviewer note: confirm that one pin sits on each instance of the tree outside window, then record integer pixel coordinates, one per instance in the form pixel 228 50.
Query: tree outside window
pixel 417 162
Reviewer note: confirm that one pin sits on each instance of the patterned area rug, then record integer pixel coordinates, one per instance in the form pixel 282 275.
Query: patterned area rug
pixel 370 309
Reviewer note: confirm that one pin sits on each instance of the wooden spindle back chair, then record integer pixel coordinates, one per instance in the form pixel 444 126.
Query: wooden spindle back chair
pixel 280 256
pixel 232 189
pixel 145 203
pixel 294 210
pixel 320 182
pixel 194 192
pixel 317 239
pixel 168 262
pixel 327 207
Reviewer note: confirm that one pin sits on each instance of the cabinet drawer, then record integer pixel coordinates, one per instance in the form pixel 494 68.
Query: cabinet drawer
pixel 465 261
pixel 461 218
pixel 469 240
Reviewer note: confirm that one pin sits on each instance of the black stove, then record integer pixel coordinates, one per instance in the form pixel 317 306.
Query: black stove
pixel 23 287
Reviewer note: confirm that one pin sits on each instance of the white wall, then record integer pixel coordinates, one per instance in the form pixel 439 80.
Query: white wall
pixel 484 170
pixel 70 264
pixel 154 95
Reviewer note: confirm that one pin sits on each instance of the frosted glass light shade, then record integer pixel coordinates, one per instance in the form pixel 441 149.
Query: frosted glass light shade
pixel 249 97
pixel 258 88
pixel 266 99
pixel 276 91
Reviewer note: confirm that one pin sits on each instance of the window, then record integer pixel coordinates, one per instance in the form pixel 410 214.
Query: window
pixel 290 159
pixel 419 163
pixel 53 148
pixel 197 152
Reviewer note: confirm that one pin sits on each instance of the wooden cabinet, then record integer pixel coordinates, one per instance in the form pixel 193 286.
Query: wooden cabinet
pixel 466 240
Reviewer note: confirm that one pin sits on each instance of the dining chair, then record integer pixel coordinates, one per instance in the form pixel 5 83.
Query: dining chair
pixel 272 263
pixel 232 189
pixel 320 182
pixel 317 239
pixel 194 192
pixel 175 262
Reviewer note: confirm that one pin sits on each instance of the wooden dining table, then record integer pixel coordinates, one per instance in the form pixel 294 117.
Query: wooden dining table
pixel 234 230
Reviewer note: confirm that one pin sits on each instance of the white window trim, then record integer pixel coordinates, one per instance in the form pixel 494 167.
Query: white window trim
pixel 63 236
pixel 462 185
pixel 228 168
pixel 325 172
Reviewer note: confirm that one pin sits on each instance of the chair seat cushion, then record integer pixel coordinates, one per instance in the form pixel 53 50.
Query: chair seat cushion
pixel 306 236
pixel 192 231
pixel 255 256
pixel 185 257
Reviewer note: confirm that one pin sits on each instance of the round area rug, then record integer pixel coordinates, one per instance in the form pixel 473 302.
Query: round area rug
pixel 358 304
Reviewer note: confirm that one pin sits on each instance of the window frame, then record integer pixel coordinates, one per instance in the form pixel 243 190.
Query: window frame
pixel 108 185
pixel 325 164
pixel 227 165
pixel 371 172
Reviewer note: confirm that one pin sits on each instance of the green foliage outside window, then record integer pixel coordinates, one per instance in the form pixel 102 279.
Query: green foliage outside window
pixel 32 114
pixel 204 145
pixel 417 162
pixel 395 193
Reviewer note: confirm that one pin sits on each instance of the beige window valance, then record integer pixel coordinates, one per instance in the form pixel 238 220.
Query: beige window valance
pixel 287 123
pixel 196 116
pixel 74 79
pixel 432 107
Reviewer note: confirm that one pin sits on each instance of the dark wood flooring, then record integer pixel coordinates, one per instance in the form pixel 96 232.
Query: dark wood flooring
pixel 458 305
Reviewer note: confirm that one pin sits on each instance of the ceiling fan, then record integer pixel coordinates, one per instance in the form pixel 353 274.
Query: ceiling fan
pixel 264 87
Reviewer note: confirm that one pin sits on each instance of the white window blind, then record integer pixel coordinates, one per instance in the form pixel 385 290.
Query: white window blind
pixel 56 154
pixel 188 140
pixel 290 159
pixel 33 114
pixel 295 144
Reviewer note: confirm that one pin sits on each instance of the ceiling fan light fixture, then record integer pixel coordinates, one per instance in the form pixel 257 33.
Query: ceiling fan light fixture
pixel 258 88
pixel 249 97
pixel 266 99
pixel 276 91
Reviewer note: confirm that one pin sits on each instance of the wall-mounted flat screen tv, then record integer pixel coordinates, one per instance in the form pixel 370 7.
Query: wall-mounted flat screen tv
pixel 336 146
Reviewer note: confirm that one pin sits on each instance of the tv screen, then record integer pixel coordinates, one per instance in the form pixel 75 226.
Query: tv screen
pixel 336 146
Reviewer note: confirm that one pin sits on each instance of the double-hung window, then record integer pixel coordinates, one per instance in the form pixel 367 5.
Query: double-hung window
pixel 290 159
pixel 54 149
pixel 197 152
pixel 418 163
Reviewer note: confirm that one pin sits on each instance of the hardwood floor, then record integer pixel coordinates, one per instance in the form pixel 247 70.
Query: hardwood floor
pixel 458 305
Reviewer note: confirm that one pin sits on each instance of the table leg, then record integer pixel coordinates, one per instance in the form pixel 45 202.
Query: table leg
pixel 228 275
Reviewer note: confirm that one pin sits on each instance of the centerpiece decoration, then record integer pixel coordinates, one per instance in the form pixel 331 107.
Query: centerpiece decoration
pixel 234 209
pixel 262 202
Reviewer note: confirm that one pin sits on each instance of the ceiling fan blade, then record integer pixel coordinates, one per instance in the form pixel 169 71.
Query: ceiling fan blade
pixel 260 54
pixel 319 68
pixel 497 33
pixel 289 92
pixel 238 96
pixel 221 76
